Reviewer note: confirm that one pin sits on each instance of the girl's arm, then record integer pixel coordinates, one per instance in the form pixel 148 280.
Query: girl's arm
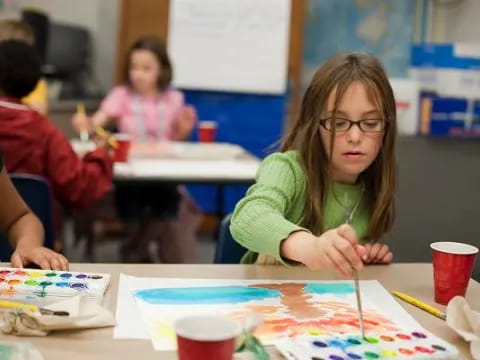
pixel 24 230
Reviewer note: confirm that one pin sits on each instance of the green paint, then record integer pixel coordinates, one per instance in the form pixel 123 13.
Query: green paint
pixel 371 340
pixel 371 355
pixel 51 274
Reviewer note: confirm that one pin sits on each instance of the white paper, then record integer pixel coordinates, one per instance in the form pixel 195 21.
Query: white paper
pixel 374 296
pixel 230 45
pixel 129 322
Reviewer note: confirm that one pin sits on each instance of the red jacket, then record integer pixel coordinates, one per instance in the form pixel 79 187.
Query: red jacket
pixel 33 145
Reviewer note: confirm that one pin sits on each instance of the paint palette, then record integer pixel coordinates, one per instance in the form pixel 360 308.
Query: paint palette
pixel 49 285
pixel 393 346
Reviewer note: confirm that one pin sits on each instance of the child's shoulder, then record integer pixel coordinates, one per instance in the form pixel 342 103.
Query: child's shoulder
pixel 119 90
pixel 283 160
pixel 173 95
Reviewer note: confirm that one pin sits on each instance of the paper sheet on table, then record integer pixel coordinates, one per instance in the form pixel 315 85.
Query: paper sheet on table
pixel 129 317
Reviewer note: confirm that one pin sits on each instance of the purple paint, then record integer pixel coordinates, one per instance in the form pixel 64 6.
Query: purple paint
pixel 81 276
pixel 320 344
pixel 335 357
pixel 78 286
pixel 419 335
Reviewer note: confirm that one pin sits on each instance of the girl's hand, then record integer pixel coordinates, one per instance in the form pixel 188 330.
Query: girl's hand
pixel 45 258
pixel 377 254
pixel 336 249
pixel 186 119
pixel 81 123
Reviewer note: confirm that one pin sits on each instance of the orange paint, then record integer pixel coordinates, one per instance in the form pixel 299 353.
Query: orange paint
pixel 13 282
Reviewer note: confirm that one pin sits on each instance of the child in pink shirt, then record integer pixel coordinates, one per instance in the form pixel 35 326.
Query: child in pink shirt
pixel 149 110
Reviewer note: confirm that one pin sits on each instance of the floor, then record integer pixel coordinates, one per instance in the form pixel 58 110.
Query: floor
pixel 108 251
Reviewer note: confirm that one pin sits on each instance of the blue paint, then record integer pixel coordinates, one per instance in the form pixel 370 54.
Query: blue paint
pixel 331 288
pixel 353 356
pixel 62 284
pixel 337 343
pixel 205 295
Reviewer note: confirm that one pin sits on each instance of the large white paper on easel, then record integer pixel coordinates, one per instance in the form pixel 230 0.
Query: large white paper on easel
pixel 230 45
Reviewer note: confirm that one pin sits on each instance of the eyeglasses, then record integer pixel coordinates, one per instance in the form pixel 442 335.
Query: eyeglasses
pixel 342 125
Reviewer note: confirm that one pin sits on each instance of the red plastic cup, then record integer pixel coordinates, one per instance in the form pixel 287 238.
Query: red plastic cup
pixel 122 151
pixel 207 131
pixel 206 337
pixel 452 269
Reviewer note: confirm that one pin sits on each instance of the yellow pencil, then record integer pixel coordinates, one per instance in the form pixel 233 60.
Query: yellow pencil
pixel 16 305
pixel 420 304
pixel 107 136
pixel 81 111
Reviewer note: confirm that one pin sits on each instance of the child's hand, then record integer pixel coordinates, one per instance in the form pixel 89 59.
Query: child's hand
pixel 336 249
pixel 377 254
pixel 81 123
pixel 39 255
pixel 186 119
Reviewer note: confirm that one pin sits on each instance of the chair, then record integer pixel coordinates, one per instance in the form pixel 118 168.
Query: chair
pixel 36 193
pixel 228 251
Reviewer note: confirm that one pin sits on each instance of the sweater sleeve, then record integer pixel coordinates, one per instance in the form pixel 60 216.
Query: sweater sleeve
pixel 76 182
pixel 259 222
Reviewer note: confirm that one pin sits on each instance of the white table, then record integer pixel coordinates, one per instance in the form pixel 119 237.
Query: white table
pixel 217 163
pixel 184 163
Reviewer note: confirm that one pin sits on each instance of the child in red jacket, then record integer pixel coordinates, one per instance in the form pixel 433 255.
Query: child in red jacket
pixel 31 144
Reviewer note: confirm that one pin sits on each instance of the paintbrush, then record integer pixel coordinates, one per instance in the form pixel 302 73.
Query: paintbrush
pixel 356 282
pixel 107 136
pixel 4 304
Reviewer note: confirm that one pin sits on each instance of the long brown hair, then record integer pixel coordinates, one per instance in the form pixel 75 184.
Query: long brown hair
pixel 304 137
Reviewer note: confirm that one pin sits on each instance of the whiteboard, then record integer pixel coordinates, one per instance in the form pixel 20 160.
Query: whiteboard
pixel 230 45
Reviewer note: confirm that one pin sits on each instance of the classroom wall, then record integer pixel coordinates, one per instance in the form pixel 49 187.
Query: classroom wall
pixel 455 22
pixel 438 197
pixel 100 17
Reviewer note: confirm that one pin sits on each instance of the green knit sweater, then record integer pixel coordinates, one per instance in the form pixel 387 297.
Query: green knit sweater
pixel 273 207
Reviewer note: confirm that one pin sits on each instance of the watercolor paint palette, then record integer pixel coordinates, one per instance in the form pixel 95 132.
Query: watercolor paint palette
pixel 32 284
pixel 415 345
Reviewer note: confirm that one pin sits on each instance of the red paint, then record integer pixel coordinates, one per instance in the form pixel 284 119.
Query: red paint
pixel 404 337
pixel 20 273
pixel 424 350
pixel 406 351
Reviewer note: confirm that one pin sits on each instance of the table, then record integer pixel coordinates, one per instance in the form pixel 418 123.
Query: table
pixel 218 163
pixel 184 163
pixel 413 279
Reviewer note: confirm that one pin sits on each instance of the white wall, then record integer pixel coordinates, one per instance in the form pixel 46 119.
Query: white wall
pixel 456 22
pixel 100 17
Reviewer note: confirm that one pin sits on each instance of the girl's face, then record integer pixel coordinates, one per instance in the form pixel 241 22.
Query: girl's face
pixel 144 71
pixel 354 150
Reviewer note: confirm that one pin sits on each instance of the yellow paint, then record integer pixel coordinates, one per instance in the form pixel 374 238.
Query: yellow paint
pixel 15 305
pixel 163 331
pixel 35 274
pixel 388 353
